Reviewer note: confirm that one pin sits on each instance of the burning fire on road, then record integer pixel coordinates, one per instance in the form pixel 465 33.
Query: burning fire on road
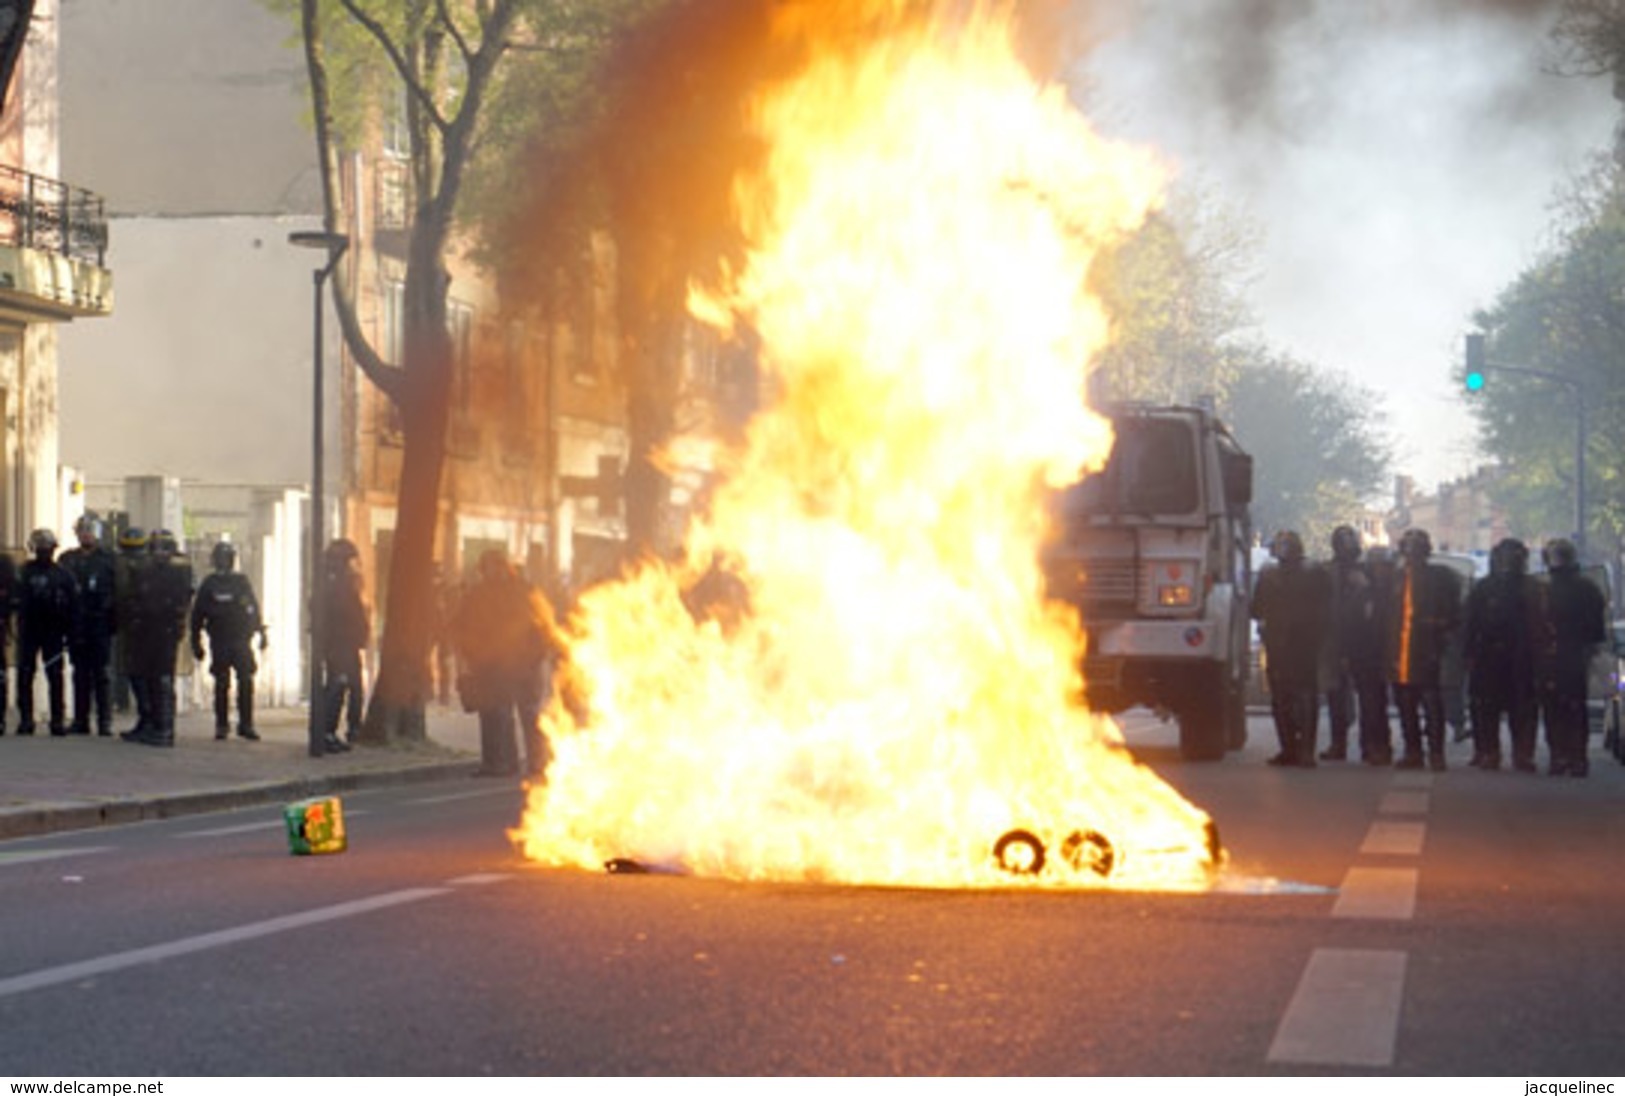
pixel 880 695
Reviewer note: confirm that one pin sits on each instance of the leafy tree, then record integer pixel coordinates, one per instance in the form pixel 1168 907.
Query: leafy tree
pixel 466 70
pixel 1317 443
pixel 1563 315
pixel 1174 292
pixel 647 161
pixel 1590 37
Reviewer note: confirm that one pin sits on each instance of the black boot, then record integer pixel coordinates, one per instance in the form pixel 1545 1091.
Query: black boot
pixel 245 709
pixel 222 727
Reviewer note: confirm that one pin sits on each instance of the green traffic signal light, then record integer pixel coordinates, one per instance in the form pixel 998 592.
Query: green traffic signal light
pixel 1473 378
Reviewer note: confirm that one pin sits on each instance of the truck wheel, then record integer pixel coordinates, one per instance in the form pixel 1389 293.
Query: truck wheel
pixel 1235 717
pixel 1202 719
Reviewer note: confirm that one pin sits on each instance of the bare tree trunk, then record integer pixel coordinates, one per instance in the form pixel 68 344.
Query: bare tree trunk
pixel 396 711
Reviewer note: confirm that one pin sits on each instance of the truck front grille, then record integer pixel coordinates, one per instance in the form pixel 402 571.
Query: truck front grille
pixel 1100 582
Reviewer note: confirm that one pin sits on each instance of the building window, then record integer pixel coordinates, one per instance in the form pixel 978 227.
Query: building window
pixel 394 321
pixel 397 138
pixel 460 329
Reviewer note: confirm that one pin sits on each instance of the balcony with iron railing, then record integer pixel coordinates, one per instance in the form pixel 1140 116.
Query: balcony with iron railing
pixel 53 248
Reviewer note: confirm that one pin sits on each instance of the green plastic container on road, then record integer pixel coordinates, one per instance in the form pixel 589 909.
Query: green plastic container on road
pixel 315 826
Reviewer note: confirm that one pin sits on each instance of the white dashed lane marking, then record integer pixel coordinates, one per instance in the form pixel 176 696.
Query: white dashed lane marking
pixel 1406 802
pixel 1345 1011
pixel 1379 894
pixel 1394 839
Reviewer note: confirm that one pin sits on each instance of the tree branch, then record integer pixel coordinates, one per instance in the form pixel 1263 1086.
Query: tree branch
pixel 385 376
pixel 451 29
pixel 413 86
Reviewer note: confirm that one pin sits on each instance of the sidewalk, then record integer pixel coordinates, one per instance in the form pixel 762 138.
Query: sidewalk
pixel 49 784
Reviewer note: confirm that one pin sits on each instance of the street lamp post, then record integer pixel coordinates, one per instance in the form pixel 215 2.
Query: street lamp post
pixel 334 244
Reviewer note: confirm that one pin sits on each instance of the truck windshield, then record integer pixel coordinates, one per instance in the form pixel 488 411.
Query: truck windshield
pixel 1152 470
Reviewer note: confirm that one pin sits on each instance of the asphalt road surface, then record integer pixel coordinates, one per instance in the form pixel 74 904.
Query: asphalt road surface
pixel 1371 923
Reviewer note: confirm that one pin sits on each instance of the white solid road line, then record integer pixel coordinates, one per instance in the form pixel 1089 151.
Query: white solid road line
pixel 1394 839
pixel 34 856
pixel 1345 1011
pixel 481 794
pixel 107 964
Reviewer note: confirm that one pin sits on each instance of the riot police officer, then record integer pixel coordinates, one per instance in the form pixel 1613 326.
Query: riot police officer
pixel 1573 622
pixel 345 635
pixel 91 644
pixel 160 596
pixel 1502 620
pixel 228 611
pixel 46 602
pixel 1354 656
pixel 132 556
pixel 8 605
pixel 1293 604
pixel 1424 609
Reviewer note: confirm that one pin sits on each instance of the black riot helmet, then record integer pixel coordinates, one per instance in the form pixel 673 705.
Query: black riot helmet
pixel 1345 544
pixel 224 557
pixel 342 550
pixel 1415 546
pixel 341 555
pixel 42 544
pixel 1287 547
pixel 162 543
pixel 1561 555
pixel 133 540
pixel 1509 557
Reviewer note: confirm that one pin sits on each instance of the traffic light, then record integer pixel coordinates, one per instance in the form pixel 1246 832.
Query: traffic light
pixel 1473 378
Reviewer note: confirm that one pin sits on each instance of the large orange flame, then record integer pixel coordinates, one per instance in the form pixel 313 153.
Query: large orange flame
pixel 898 695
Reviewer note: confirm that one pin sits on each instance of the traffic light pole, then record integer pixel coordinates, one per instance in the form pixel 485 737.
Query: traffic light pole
pixel 1478 365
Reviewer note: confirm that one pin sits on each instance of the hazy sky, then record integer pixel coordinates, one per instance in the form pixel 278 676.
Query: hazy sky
pixel 1399 157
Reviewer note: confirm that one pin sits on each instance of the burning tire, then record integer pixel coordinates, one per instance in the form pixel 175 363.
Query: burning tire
pixel 1087 850
pixel 1022 852
pixel 1019 852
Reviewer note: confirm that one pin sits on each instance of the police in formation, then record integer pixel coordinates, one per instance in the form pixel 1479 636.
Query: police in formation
pixel 1387 632
pixel 128 612
pixel 227 611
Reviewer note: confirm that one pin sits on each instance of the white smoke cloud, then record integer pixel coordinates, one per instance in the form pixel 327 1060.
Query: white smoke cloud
pixel 1399 158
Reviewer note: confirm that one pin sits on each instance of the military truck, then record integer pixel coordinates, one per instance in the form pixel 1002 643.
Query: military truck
pixel 1154 553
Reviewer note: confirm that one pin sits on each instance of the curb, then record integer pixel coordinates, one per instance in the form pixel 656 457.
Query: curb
pixel 48 818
